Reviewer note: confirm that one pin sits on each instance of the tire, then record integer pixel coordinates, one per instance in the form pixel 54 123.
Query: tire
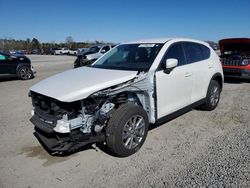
pixel 123 138
pixel 25 73
pixel 213 96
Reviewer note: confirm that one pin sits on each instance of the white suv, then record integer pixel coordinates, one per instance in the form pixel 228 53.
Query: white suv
pixel 62 51
pixel 116 99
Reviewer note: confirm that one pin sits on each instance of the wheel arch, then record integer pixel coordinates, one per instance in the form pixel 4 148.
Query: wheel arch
pixel 219 78
pixel 131 97
pixel 139 98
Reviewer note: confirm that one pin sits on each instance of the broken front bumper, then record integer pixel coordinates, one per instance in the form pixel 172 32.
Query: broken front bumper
pixel 58 143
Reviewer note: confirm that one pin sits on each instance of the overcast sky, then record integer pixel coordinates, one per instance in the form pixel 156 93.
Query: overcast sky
pixel 122 20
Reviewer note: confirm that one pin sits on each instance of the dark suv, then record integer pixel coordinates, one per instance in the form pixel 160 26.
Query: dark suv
pixel 91 55
pixel 15 65
pixel 235 57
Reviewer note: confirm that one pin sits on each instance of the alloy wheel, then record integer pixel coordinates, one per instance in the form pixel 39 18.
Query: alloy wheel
pixel 133 132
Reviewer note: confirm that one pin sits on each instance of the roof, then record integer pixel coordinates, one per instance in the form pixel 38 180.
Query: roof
pixel 163 40
pixel 152 40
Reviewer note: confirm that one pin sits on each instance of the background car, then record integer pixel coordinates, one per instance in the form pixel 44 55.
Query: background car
pixel 36 51
pixel 62 51
pixel 81 50
pixel 49 51
pixel 89 56
pixel 235 57
pixel 16 65
pixel 73 51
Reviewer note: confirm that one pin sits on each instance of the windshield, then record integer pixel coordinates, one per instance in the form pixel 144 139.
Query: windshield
pixel 94 49
pixel 138 57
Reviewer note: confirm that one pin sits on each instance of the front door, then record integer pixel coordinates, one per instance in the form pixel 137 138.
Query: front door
pixel 174 89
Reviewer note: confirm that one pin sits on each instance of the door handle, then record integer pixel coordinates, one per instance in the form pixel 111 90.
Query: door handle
pixel 210 66
pixel 187 74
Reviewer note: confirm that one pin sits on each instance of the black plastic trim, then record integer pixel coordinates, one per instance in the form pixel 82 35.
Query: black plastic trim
pixel 45 127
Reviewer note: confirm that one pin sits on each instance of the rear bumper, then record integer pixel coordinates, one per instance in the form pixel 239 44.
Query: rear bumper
pixel 57 143
pixel 236 73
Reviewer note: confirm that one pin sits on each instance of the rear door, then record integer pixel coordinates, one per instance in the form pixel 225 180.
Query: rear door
pixel 197 56
pixel 173 89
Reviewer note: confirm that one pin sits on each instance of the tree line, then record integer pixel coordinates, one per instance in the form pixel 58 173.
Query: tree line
pixel 29 44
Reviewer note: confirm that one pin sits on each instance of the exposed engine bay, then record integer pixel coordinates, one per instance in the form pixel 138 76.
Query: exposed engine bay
pixel 63 127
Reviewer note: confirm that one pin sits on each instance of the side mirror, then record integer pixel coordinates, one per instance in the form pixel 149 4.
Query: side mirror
pixel 170 64
pixel 103 51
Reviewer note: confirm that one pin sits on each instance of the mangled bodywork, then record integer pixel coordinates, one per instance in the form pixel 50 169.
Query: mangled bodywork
pixel 66 121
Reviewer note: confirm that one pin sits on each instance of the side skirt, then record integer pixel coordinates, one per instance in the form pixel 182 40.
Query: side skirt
pixel 179 112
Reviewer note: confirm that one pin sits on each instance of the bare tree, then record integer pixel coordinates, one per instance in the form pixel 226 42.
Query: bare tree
pixel 69 41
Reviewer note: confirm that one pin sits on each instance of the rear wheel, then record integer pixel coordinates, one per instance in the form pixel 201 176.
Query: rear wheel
pixel 25 73
pixel 213 96
pixel 127 130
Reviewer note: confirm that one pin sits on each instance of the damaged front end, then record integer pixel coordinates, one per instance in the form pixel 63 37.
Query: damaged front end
pixel 65 127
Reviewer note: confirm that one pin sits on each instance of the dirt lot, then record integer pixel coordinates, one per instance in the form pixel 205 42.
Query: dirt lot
pixel 197 149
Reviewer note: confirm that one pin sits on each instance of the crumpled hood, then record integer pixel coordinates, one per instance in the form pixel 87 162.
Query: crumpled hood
pixel 76 84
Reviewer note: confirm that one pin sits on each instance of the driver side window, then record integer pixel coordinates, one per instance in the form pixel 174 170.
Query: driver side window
pixel 175 51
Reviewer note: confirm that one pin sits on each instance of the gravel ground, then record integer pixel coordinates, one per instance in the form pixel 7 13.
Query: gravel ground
pixel 197 149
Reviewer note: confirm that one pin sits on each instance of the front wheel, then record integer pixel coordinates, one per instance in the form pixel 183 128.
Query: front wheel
pixel 213 96
pixel 127 130
pixel 25 73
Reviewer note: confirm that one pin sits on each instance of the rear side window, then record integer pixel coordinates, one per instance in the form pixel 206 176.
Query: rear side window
pixel 205 51
pixel 175 51
pixel 196 52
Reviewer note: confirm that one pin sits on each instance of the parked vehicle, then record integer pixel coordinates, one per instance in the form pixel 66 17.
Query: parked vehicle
pixel 49 51
pixel 62 51
pixel 80 51
pixel 26 51
pixel 73 51
pixel 36 51
pixel 5 51
pixel 16 65
pixel 235 57
pixel 90 56
pixel 116 98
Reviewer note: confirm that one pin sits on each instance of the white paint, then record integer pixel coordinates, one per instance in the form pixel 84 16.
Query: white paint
pixel 79 83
